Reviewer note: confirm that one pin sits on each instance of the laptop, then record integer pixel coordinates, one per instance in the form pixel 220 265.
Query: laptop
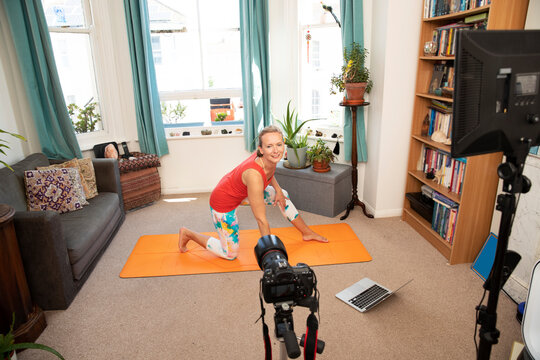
pixel 366 293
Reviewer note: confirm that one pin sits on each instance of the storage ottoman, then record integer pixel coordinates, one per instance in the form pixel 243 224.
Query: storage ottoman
pixel 320 193
pixel 140 180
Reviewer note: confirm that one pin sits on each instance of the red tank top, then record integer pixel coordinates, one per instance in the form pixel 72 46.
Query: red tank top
pixel 231 191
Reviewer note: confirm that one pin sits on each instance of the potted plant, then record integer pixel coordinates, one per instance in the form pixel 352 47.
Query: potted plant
pixel 173 113
pixel 320 156
pixel 8 346
pixel 296 144
pixel 5 146
pixel 220 116
pixel 354 77
pixel 84 119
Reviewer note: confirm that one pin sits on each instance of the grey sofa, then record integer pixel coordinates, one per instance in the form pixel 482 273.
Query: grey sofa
pixel 59 251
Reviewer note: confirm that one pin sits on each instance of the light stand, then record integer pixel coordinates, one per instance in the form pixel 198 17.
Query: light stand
pixel 514 182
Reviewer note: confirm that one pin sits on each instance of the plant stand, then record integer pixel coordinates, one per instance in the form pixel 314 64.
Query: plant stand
pixel 354 161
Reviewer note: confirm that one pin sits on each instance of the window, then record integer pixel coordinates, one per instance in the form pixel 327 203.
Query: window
pixel 320 57
pixel 71 31
pixel 197 60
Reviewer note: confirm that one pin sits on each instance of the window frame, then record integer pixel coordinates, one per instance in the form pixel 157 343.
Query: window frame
pixel 112 73
pixel 202 93
pixel 325 123
pixel 88 29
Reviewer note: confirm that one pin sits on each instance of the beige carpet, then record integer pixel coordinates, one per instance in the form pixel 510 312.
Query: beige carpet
pixel 213 316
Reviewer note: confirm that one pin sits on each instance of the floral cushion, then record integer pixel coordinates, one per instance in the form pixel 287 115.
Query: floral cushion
pixel 89 175
pixel 51 190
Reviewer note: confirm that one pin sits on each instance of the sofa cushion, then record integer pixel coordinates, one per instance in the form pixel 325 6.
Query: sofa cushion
pixel 12 189
pixel 77 186
pixel 87 171
pixel 30 163
pixel 75 177
pixel 51 190
pixel 82 228
pixel 73 163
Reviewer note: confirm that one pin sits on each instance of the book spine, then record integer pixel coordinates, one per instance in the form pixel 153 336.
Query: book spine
pixel 444 200
pixel 444 216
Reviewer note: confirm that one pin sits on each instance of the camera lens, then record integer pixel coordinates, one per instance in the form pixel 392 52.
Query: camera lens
pixel 270 249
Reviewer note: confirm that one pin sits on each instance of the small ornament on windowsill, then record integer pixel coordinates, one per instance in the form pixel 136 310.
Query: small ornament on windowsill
pixel 308 38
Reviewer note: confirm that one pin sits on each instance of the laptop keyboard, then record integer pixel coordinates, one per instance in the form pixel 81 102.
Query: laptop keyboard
pixel 366 298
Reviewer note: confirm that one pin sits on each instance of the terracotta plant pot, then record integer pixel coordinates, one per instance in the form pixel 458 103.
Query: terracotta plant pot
pixel 321 166
pixel 11 356
pixel 355 91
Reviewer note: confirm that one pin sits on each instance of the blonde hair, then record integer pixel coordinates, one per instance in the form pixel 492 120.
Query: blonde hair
pixel 267 130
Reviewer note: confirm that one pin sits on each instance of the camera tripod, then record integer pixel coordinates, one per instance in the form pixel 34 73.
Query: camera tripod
pixel 289 343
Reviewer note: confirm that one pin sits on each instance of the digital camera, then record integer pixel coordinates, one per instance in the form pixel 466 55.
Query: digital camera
pixel 280 281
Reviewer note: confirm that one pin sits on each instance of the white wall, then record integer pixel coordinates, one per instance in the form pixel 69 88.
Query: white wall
pixel 525 235
pixel 394 55
pixel 182 172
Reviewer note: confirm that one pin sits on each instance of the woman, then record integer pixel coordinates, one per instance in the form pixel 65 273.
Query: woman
pixel 252 179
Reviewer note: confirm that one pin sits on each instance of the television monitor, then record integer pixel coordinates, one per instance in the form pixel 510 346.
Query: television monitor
pixel 496 92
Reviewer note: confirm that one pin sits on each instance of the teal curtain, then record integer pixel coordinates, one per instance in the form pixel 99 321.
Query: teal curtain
pixel 147 105
pixel 38 69
pixel 255 69
pixel 352 30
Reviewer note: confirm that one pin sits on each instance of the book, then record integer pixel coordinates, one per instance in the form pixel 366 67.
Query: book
pixel 445 37
pixel 444 216
pixel 444 200
pixel 440 120
pixel 441 105
pixel 448 172
pixel 475 18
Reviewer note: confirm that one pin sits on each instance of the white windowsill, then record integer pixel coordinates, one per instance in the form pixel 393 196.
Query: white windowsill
pixel 199 136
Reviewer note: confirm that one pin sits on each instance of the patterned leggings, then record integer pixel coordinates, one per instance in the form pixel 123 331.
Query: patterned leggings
pixel 227 226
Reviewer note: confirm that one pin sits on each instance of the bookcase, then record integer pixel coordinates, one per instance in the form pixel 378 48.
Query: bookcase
pixel 477 195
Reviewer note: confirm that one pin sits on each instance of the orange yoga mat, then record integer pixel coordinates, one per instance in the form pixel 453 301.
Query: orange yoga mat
pixel 158 255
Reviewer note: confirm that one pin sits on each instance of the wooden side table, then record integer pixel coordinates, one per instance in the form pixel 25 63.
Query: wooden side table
pixel 29 318
pixel 354 161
